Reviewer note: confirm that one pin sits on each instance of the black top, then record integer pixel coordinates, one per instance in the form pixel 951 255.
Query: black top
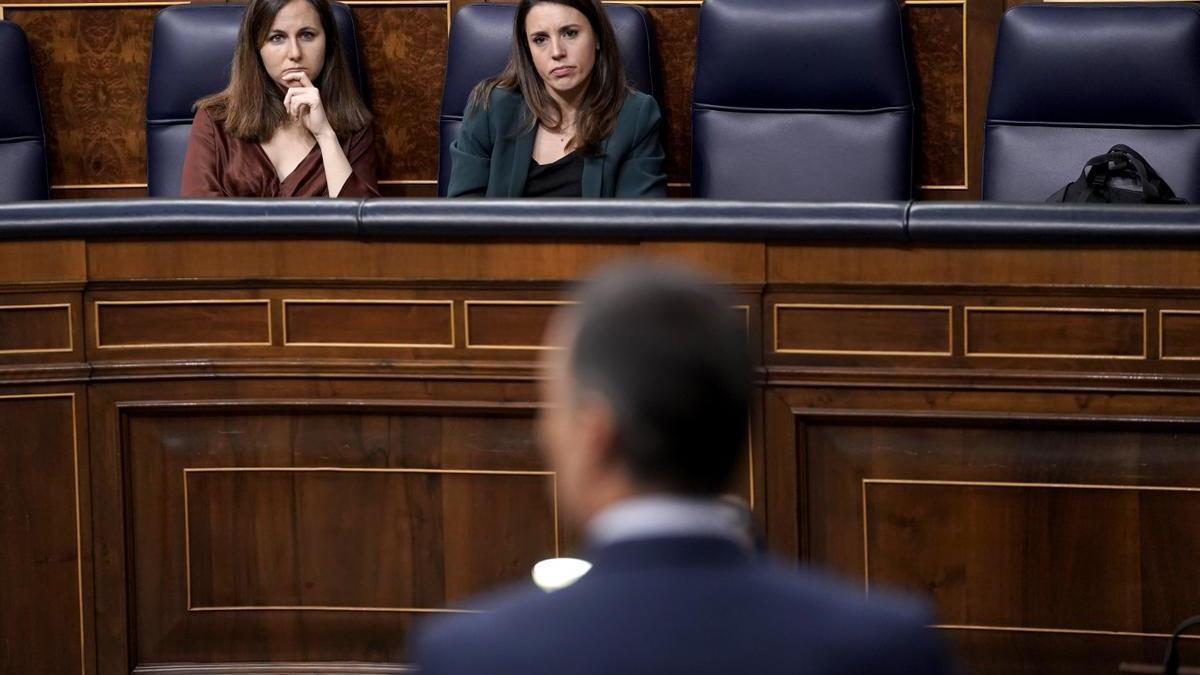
pixel 563 178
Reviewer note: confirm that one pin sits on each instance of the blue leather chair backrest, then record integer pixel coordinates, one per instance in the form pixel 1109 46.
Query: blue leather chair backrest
pixel 22 139
pixel 1071 81
pixel 191 54
pixel 480 39
pixel 802 100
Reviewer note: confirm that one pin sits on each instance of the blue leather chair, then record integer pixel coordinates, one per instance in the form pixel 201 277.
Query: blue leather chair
pixel 802 100
pixel 480 39
pixel 1070 81
pixel 190 56
pixel 22 139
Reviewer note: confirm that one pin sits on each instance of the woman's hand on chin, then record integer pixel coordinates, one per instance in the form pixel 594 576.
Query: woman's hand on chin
pixel 303 104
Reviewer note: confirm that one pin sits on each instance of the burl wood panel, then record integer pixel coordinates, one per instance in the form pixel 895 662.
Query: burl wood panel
pixel 404 52
pixel 35 328
pixel 1180 334
pixel 850 329
pixel 91 67
pixel 41 573
pixel 370 539
pixel 1054 332
pixel 176 323
pixel 406 323
pixel 503 324
pixel 359 539
pixel 675 34
pixel 936 41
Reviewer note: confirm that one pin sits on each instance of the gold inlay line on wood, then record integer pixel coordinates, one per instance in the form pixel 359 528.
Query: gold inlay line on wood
pixel 1056 310
pixel 949 351
pixel 1162 330
pixel 70 328
pixel 356 301
pixel 78 518
pixel 187 542
pixel 159 345
pixel 507 303
pixel 1058 631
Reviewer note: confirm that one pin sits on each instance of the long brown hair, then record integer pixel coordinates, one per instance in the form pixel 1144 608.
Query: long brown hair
pixel 606 90
pixel 251 107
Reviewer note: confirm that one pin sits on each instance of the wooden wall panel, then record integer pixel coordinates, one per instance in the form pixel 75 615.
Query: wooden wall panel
pixel 307 531
pixel 92 66
pixel 936 35
pixel 404 51
pixel 42 505
pixel 675 33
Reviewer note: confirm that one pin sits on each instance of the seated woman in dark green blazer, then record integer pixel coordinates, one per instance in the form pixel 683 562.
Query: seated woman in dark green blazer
pixel 561 120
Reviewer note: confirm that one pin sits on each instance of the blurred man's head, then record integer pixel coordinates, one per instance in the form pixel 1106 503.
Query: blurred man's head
pixel 648 391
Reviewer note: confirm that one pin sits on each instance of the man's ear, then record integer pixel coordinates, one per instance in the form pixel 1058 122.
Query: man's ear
pixel 596 429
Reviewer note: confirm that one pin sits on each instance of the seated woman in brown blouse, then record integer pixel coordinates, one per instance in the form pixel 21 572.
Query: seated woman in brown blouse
pixel 290 123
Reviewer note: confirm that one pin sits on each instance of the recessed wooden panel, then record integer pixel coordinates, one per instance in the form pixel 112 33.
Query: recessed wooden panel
pixel 369 323
pixel 1180 337
pixel 182 323
pixel 508 324
pixel 26 329
pixel 1055 332
pixel 936 35
pixel 427 504
pixel 987 552
pixel 404 53
pixel 865 329
pixel 92 67
pixel 307 540
pixel 41 575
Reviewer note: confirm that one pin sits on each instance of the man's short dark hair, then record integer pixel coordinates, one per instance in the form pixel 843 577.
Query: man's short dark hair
pixel 668 352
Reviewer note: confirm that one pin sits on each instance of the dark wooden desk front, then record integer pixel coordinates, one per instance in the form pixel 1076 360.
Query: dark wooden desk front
pixel 224 451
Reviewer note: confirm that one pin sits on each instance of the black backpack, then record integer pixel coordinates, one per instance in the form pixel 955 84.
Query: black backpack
pixel 1119 176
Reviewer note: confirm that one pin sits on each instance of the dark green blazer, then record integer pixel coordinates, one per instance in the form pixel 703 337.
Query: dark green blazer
pixel 492 153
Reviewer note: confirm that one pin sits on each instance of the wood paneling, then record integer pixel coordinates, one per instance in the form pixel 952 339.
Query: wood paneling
pixel 182 323
pixel 404 52
pixel 59 261
pixel 862 329
pixel 506 324
pixel 1055 332
pixel 409 508
pixel 1180 334
pixel 42 505
pixel 92 65
pixel 675 34
pixel 936 34
pixel 362 323
pixel 36 328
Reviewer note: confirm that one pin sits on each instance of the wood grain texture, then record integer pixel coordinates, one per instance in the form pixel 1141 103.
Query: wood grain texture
pixel 91 67
pixel 936 41
pixel 41 572
pixel 359 548
pixel 404 52
pixel 675 34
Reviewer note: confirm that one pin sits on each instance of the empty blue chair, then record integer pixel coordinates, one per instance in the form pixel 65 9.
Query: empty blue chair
pixel 480 40
pixel 802 100
pixel 1071 81
pixel 22 138
pixel 190 56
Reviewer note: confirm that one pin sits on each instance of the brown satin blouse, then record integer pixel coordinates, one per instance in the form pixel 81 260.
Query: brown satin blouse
pixel 219 165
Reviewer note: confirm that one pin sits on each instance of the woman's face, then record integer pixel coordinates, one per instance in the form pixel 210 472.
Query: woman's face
pixel 295 44
pixel 563 46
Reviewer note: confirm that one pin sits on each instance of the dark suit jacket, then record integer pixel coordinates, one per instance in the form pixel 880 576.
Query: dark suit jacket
pixel 686 605
pixel 492 153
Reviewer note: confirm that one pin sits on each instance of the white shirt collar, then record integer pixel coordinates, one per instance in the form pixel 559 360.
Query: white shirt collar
pixel 660 515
